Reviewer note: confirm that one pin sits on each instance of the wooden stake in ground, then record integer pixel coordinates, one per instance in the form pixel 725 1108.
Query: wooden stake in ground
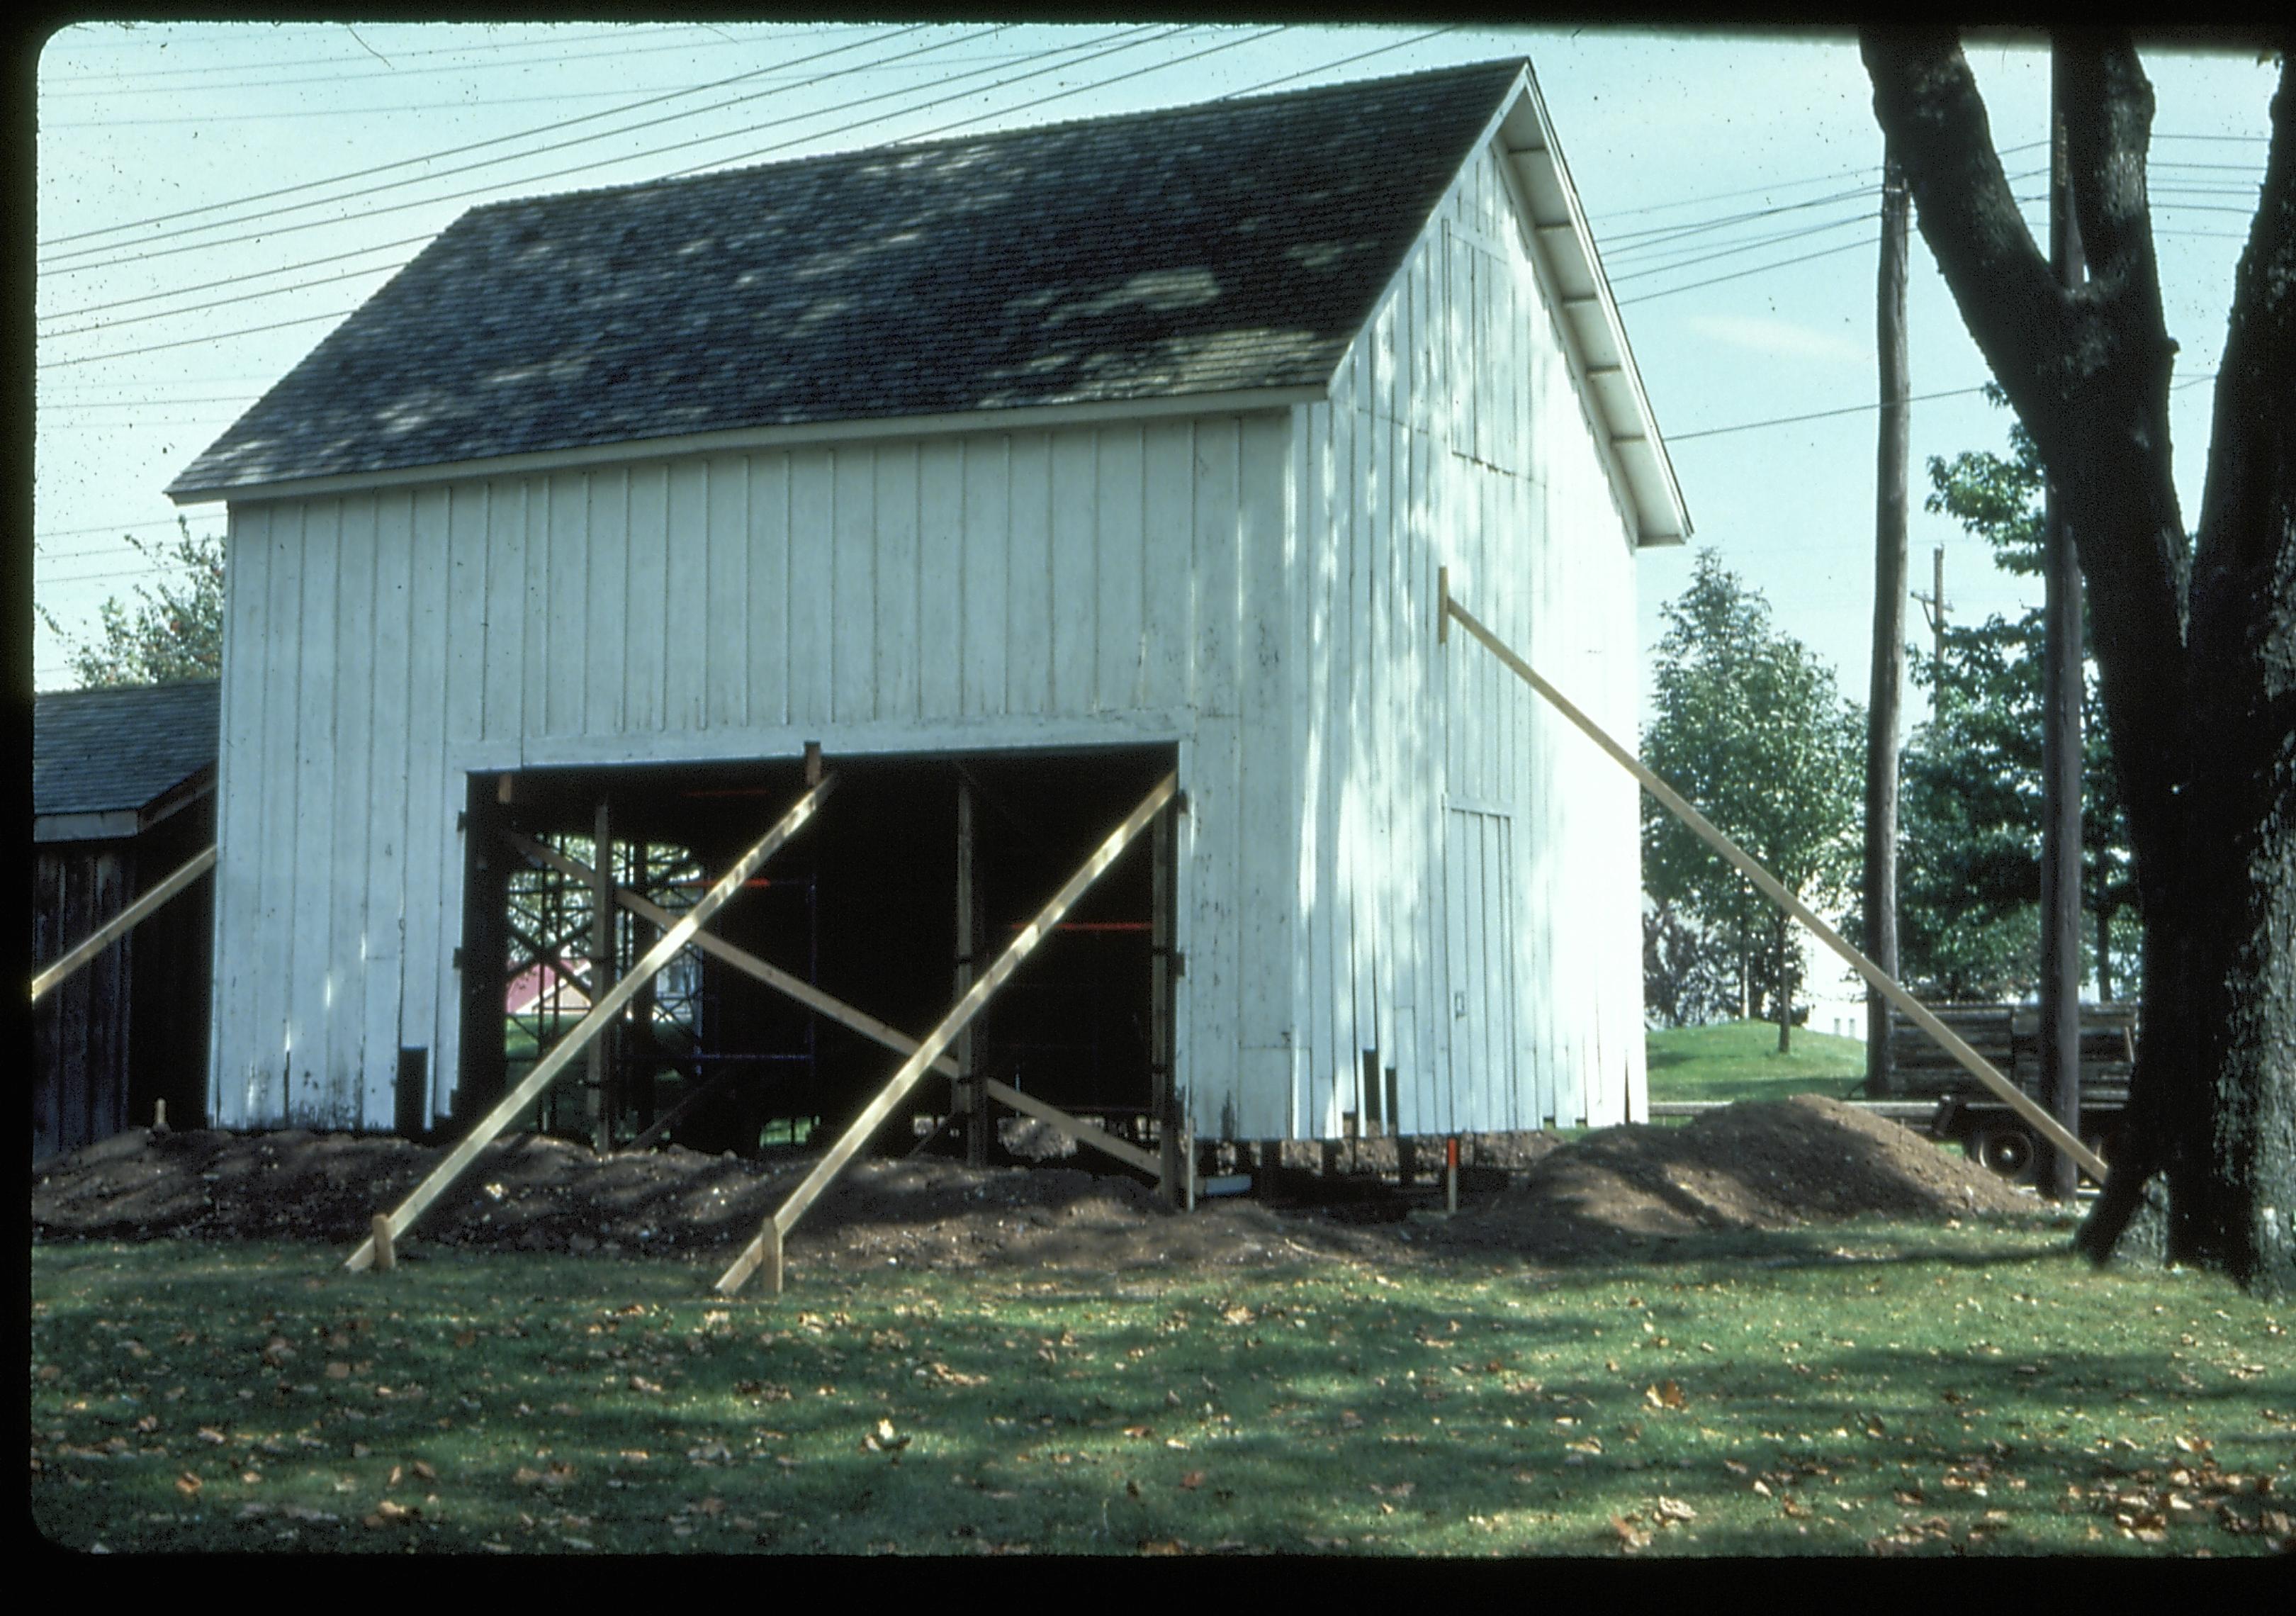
pixel 1775 892
pixel 766 1249
pixel 601 1015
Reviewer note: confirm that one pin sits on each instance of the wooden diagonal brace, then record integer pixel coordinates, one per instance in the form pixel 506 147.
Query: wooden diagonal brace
pixel 120 924
pixel 600 1016
pixel 766 1248
pixel 1977 1066
pixel 836 1010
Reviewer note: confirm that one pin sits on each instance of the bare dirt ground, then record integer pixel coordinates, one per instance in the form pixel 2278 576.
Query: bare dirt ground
pixel 1772 1165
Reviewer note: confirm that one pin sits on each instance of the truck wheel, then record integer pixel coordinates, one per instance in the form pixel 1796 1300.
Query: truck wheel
pixel 2006 1148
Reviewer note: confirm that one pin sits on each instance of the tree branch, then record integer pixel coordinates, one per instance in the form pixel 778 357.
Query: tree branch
pixel 1927 103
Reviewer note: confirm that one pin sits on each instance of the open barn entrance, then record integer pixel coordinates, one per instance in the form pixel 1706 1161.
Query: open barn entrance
pixel 869 905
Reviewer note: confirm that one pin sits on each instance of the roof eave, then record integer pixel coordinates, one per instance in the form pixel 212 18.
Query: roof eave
pixel 992 419
pixel 1565 246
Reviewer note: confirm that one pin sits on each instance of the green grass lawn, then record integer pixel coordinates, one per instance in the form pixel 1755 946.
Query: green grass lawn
pixel 1872 1388
pixel 1739 1061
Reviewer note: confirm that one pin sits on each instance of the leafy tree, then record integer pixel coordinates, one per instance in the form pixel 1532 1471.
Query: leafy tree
pixel 2194 633
pixel 1750 727
pixel 1690 971
pixel 1971 883
pixel 175 632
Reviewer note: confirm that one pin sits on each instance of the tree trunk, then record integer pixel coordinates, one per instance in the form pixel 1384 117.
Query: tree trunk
pixel 1785 984
pixel 2195 642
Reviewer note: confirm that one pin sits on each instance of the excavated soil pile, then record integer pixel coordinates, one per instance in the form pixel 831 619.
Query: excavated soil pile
pixel 1767 1166
pixel 1774 1164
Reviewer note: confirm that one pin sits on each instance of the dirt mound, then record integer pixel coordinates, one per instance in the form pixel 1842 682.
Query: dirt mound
pixel 1757 1165
pixel 1768 1166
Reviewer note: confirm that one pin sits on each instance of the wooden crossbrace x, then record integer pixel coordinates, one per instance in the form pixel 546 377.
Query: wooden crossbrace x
pixel 836 1010
pixel 601 1015
pixel 766 1249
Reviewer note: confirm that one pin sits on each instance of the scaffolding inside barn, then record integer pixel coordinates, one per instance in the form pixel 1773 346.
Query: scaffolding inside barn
pixel 923 865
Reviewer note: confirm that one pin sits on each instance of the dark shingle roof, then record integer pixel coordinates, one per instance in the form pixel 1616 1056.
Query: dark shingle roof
pixel 97 750
pixel 1198 250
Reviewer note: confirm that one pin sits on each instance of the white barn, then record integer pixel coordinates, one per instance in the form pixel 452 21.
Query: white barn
pixel 1106 447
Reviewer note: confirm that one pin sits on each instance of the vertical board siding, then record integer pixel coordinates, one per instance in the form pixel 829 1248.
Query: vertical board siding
pixel 274 834
pixel 894 688
pixel 689 644
pixel 941 616
pixel 1266 810
pixel 1456 438
pixel 1063 574
pixel 985 470
pixel 235 1033
pixel 643 599
pixel 310 963
pixel 348 803
pixel 434 861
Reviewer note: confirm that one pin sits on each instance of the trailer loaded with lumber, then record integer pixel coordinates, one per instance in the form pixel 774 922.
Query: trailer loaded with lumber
pixel 2009 1036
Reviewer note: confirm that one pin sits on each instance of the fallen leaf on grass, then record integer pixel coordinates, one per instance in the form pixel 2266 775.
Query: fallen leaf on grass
pixel 638 1382
pixel 339 1370
pixel 1675 1509
pixel 884 1440
pixel 1630 1536
pixel 424 1470
pixel 1191 1480
pixel 1163 1545
pixel 189 1485
pixel 1401 1489
pixel 1666 1394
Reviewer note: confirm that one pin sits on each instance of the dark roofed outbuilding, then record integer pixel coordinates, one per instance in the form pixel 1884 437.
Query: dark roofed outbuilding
pixel 123 794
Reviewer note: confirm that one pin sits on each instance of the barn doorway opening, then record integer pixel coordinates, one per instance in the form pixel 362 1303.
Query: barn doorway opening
pixel 868 904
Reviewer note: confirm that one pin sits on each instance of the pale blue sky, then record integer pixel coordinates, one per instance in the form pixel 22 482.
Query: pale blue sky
pixel 1661 133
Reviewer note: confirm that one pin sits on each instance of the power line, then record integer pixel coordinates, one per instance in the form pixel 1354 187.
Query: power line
pixel 1270 84
pixel 340 77
pixel 497 140
pixel 1854 409
pixel 1824 252
pixel 440 49
pixel 1752 246
pixel 234 280
pixel 244 297
pixel 1126 45
pixel 591 168
pixel 1625 242
pixel 244 330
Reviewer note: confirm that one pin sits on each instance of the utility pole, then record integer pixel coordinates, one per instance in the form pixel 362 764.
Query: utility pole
pixel 2061 741
pixel 1888 662
pixel 1933 608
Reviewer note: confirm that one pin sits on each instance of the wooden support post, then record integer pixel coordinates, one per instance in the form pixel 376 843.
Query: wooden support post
pixel 597 1110
pixel 1775 892
pixel 386 1249
pixel 874 1113
pixel 120 924
pixel 968 935
pixel 1161 1093
pixel 635 1079
pixel 514 1104
pixel 1407 1161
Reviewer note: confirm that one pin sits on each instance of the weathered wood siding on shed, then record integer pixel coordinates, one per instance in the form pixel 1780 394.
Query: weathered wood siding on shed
pixel 1055 588
pixel 1469 878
